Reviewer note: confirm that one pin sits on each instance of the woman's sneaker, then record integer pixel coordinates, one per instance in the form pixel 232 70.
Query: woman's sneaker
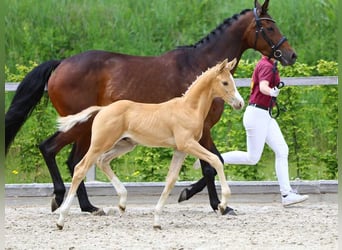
pixel 293 198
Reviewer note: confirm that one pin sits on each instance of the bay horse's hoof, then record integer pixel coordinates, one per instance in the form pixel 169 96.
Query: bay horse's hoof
pixel 183 195
pixel 156 227
pixel 98 212
pixel 59 226
pixel 54 205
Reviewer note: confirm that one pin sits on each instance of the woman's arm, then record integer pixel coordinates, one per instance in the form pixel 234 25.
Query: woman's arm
pixel 266 90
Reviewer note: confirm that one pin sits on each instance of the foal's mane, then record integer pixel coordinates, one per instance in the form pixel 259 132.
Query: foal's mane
pixel 227 22
pixel 206 74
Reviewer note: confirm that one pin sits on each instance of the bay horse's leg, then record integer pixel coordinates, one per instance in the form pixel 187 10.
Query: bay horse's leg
pixel 172 176
pixel 49 148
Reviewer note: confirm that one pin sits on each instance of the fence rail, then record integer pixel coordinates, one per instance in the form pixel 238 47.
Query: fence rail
pixel 245 82
pixel 240 82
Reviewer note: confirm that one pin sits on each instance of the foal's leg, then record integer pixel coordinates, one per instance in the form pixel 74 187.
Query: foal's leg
pixel 175 166
pixel 208 171
pixel 78 151
pixel 194 148
pixel 209 174
pixel 104 160
pixel 208 178
pixel 80 172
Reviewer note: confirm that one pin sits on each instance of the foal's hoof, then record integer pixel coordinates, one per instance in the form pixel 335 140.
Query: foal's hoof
pixel 183 195
pixel 60 227
pixel 98 212
pixel 227 211
pixel 122 209
pixel 156 227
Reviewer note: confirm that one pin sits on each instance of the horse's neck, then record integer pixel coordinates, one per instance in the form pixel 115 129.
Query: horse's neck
pixel 229 43
pixel 199 98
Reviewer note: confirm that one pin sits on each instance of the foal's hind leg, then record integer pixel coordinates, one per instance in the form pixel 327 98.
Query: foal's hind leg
pixel 120 148
pixel 80 172
pixel 78 151
pixel 172 176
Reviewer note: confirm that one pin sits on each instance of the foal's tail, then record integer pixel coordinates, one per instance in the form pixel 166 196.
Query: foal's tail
pixel 68 122
pixel 28 94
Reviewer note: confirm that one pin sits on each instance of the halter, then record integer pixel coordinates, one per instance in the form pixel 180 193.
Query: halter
pixel 275 47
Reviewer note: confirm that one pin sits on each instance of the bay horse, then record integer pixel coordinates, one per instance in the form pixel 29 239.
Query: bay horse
pixel 178 123
pixel 100 78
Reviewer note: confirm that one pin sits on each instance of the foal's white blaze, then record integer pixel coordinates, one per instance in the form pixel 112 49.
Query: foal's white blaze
pixel 238 101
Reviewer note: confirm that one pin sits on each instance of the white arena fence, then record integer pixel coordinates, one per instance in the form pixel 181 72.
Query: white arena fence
pixel 240 82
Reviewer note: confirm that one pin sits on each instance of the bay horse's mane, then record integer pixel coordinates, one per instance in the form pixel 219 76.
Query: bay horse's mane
pixel 227 22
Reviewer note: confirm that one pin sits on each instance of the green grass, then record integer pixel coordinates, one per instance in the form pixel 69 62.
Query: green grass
pixel 42 30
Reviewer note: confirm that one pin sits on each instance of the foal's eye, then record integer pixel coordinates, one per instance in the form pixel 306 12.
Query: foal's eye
pixel 225 83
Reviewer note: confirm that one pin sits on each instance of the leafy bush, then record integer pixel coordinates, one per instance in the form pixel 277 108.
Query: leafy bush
pixel 309 127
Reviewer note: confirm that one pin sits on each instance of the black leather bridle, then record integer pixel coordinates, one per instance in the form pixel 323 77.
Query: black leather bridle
pixel 276 52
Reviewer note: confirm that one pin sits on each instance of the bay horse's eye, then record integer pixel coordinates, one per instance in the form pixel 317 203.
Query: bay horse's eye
pixel 270 28
pixel 225 83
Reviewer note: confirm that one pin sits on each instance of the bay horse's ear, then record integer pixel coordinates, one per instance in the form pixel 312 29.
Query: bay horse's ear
pixel 231 64
pixel 261 9
pixel 257 6
pixel 264 7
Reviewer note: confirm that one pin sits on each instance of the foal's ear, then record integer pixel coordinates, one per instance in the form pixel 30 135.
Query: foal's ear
pixel 223 65
pixel 231 64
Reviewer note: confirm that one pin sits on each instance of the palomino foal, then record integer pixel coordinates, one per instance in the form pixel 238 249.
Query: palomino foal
pixel 177 123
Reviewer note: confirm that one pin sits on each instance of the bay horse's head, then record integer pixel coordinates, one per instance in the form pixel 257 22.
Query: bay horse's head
pixel 224 85
pixel 268 38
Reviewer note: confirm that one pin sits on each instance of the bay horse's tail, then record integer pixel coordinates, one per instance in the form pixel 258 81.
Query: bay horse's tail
pixel 28 94
pixel 68 122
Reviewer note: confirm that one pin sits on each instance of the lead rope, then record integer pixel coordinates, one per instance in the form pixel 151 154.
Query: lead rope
pixel 273 101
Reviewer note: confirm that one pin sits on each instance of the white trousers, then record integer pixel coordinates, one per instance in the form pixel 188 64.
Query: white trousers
pixel 260 129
